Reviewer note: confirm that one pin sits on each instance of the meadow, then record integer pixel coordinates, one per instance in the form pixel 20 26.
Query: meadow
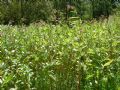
pixel 85 56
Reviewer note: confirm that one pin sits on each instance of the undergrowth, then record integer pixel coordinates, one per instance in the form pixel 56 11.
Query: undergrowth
pixel 49 57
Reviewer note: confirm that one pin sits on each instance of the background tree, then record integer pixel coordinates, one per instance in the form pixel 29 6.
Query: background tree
pixel 27 11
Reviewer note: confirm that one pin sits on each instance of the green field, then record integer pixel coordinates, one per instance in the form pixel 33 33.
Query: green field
pixel 83 57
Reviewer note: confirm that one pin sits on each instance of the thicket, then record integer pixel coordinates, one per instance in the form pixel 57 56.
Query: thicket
pixel 27 11
pixel 84 57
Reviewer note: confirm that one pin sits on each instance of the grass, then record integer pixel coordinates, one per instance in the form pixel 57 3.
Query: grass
pixel 84 57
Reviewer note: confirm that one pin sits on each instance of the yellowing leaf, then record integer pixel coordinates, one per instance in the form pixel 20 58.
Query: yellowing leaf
pixel 108 63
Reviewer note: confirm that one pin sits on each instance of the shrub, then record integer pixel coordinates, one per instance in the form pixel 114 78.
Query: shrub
pixel 22 11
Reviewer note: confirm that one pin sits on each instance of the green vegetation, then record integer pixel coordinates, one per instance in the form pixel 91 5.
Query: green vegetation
pixel 27 11
pixel 59 45
pixel 83 57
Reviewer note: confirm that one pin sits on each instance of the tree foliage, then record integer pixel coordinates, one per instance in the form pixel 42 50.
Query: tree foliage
pixel 27 11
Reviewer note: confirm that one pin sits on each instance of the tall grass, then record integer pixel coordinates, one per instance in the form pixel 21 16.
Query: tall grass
pixel 84 57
